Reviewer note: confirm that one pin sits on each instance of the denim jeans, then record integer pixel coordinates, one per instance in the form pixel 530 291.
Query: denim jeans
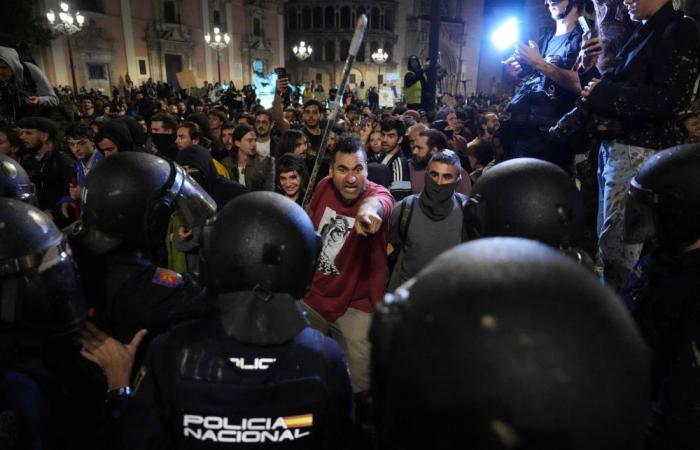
pixel 617 165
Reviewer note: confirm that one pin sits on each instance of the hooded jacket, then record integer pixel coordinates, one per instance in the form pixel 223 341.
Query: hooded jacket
pixel 27 81
pixel 116 131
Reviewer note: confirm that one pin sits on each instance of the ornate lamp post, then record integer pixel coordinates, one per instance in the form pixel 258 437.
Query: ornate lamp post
pixel 218 43
pixel 379 57
pixel 302 51
pixel 68 24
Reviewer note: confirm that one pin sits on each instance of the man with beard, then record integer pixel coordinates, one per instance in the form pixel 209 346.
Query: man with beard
pixel 350 214
pixel 266 145
pixel 481 151
pixel 420 234
pixel 311 119
pixel 49 168
pixel 428 143
pixel 163 134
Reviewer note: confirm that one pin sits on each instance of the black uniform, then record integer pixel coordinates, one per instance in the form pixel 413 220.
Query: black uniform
pixel 667 310
pixel 211 390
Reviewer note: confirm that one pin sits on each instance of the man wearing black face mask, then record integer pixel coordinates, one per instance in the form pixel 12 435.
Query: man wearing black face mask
pixel 163 133
pixel 426 224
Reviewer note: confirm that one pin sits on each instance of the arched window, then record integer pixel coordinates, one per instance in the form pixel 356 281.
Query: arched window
pixel 217 19
pixel 374 21
pixel 306 18
pixel 344 49
pixel 318 17
pixel 389 48
pixel 388 21
pixel 170 12
pixel 330 51
pixel 292 18
pixel 330 17
pixel 345 17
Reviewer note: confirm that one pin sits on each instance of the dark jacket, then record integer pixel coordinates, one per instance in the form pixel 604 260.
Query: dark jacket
pixel 652 80
pixel 52 176
pixel 259 172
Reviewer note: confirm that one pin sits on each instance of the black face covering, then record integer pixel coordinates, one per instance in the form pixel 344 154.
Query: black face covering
pixel 436 199
pixel 165 144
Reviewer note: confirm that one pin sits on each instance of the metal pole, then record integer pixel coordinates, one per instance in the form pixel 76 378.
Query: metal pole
pixel 379 76
pixel 433 49
pixel 72 67
pixel 218 64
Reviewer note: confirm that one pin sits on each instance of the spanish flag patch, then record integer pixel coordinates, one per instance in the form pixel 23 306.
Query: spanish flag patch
pixel 167 278
pixel 305 420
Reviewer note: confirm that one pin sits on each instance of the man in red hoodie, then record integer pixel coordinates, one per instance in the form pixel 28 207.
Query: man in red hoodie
pixel 349 212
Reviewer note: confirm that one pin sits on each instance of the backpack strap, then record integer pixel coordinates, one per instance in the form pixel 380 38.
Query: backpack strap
pixel 405 218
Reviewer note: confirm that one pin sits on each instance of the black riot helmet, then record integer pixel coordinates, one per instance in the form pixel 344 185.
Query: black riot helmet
pixel 663 203
pixel 129 198
pixel 260 240
pixel 14 181
pixel 529 198
pixel 505 343
pixel 40 293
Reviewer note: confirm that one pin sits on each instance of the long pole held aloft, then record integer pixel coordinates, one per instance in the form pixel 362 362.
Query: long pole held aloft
pixel 335 107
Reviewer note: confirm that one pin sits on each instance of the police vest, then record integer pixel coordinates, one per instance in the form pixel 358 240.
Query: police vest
pixel 413 93
pixel 229 393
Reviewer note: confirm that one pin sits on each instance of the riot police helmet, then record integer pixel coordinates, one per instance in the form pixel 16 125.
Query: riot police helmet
pixel 14 181
pixel 40 293
pixel 663 203
pixel 529 198
pixel 505 343
pixel 130 197
pixel 260 240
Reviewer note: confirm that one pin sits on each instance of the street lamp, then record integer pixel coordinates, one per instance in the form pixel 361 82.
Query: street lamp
pixel 67 25
pixel 379 57
pixel 302 51
pixel 218 43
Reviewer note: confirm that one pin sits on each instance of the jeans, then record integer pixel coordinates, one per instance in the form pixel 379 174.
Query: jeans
pixel 617 165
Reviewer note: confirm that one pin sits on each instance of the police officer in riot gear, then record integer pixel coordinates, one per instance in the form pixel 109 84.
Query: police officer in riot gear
pixel 275 381
pixel 491 347
pixel 663 212
pixel 529 198
pixel 41 301
pixel 15 182
pixel 127 201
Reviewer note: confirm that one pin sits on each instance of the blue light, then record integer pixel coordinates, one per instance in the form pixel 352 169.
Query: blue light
pixel 506 34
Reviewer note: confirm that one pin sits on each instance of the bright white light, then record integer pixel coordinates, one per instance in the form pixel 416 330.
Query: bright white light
pixel 51 16
pixel 63 16
pixel 207 37
pixel 216 30
pixel 227 38
pixel 64 6
pixel 506 35
pixel 217 37
pixel 80 18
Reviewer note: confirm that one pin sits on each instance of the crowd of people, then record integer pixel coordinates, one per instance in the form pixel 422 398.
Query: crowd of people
pixel 172 277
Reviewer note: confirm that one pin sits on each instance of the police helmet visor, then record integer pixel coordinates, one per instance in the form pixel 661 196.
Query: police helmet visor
pixel 640 223
pixel 193 203
pixel 41 291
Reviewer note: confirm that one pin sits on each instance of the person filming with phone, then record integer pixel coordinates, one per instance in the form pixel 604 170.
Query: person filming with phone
pixel 549 86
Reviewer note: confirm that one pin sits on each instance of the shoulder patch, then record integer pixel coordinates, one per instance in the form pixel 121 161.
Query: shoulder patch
pixel 167 278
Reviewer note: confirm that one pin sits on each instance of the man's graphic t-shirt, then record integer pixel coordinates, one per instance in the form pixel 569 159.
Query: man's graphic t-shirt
pixel 352 270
